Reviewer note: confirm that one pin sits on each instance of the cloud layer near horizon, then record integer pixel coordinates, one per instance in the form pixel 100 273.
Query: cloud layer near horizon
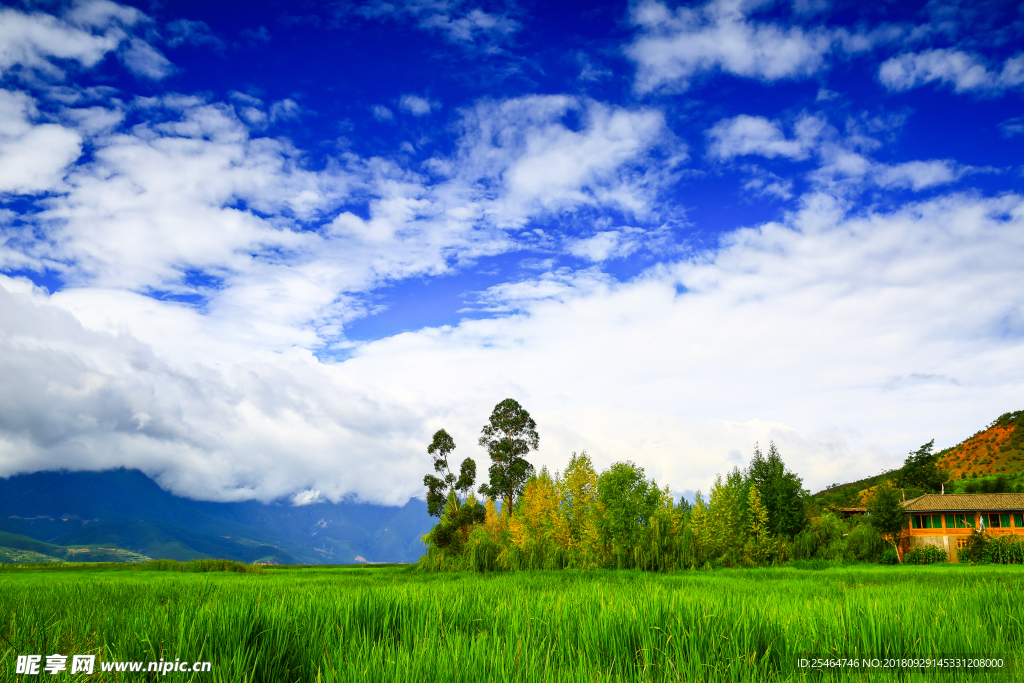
pixel 813 325
pixel 210 268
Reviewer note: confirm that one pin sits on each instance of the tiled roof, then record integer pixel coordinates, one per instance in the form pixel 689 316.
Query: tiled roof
pixel 966 501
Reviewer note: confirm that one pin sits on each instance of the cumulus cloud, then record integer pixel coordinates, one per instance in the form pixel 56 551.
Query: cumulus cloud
pixel 184 31
pixel 416 105
pixel 193 204
pixel 91 399
pixel 531 160
pixel 821 319
pixel 33 41
pixel 918 175
pixel 674 46
pixel 459 22
pixel 745 134
pixel 145 60
pixel 1012 127
pixel 843 162
pixel 606 244
pixel 964 71
pixel 33 157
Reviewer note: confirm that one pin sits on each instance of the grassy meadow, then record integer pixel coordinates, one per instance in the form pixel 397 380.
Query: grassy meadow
pixel 401 624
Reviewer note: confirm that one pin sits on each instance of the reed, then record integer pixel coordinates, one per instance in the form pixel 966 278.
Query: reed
pixel 394 624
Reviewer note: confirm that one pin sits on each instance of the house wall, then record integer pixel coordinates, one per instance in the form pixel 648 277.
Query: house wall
pixel 937 541
pixel 946 538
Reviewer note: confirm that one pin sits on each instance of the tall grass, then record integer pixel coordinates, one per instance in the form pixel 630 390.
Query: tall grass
pixel 404 625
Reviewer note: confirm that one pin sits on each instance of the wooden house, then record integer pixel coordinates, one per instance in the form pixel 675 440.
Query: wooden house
pixel 947 520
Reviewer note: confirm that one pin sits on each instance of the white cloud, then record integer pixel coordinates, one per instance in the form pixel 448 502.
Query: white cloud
pixel 918 175
pixel 285 110
pixel 85 34
pixel 471 25
pixel 1012 127
pixel 673 47
pixel 102 13
pixel 745 134
pixel 605 245
pixel 843 164
pixel 458 23
pixel 964 71
pixel 382 113
pixel 804 332
pixel 195 205
pixel 192 32
pixel 33 157
pixel 145 60
pixel 415 105
pixel 533 161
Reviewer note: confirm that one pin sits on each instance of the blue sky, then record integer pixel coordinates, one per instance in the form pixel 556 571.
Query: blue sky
pixel 266 249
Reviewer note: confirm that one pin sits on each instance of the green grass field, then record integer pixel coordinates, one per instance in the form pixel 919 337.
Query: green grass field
pixel 399 624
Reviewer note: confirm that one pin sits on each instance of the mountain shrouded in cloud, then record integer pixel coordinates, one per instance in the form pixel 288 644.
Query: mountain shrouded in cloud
pixel 265 256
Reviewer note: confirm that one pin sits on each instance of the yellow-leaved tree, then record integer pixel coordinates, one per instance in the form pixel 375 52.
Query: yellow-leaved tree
pixel 536 528
pixel 580 512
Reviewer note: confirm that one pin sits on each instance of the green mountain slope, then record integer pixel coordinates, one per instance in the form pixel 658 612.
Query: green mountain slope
pixel 162 540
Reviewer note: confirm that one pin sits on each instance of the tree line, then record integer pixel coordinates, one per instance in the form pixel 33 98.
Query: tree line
pixel 618 518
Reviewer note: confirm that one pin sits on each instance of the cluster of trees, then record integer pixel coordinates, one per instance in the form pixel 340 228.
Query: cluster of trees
pixel 579 518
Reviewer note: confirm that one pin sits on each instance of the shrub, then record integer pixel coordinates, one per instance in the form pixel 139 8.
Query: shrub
pixel 864 544
pixel 975 551
pixel 821 541
pixel 985 549
pixel 929 554
pixel 1005 550
pixel 199 566
pixel 889 557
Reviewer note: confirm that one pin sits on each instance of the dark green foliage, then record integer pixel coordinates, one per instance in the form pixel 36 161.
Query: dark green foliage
pixel 890 556
pixel 1004 550
pixel 920 470
pixel 508 436
pixel 629 501
pixel 440 448
pixel 451 531
pixel 661 551
pixel 998 484
pixel 457 515
pixel 983 548
pixel 1015 419
pixel 928 554
pixel 781 492
pixel 437 487
pixel 822 541
pixel 864 543
pixel 886 512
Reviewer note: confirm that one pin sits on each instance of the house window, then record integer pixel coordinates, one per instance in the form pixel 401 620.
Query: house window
pixel 993 521
pixel 915 521
pixel 950 524
pixel 961 543
pixel 1018 520
pixel 1004 520
pixel 963 521
pixel 936 521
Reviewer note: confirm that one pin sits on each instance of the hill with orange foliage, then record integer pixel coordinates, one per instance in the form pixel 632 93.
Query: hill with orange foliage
pixel 996 450
pixel 990 461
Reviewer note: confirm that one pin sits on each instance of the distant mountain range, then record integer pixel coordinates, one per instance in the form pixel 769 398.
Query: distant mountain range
pixel 123 514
